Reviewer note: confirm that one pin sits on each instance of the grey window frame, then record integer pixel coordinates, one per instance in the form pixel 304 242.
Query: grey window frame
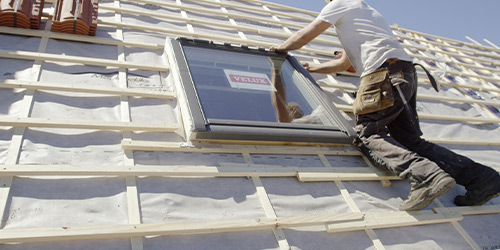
pixel 233 130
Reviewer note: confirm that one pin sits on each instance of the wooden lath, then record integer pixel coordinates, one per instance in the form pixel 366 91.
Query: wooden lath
pixel 258 10
pixel 334 222
pixel 27 55
pixel 34 122
pixel 238 148
pixel 78 38
pixel 380 220
pixel 168 229
pixel 429 97
pixel 348 108
pixel 481 47
pixel 52 86
pixel 230 170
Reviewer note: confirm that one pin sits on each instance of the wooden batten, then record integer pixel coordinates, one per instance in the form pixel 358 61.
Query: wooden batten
pixel 482 66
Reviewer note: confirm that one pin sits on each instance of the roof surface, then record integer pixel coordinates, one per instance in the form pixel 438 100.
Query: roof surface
pixel 95 152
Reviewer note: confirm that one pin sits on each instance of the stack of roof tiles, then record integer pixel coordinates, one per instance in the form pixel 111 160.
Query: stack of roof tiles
pixel 21 13
pixel 76 17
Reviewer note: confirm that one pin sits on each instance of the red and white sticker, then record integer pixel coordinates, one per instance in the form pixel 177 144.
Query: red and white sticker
pixel 249 80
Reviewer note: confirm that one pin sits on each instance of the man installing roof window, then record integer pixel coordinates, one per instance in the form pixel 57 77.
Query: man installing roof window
pixel 386 120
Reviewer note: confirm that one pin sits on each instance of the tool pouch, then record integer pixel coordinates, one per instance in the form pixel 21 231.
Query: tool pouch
pixel 374 93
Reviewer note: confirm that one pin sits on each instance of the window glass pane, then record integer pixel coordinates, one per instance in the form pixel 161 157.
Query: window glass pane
pixel 250 87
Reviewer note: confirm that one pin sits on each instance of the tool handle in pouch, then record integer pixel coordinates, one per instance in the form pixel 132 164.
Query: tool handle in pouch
pixel 374 93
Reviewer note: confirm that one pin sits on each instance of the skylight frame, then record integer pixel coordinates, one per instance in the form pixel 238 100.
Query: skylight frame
pixel 203 128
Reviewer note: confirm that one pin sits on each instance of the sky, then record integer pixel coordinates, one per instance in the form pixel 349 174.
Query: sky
pixel 456 19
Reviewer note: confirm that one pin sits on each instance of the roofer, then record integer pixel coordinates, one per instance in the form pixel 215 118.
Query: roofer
pixel 385 107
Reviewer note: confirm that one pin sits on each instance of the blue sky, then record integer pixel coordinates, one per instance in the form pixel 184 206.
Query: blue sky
pixel 478 19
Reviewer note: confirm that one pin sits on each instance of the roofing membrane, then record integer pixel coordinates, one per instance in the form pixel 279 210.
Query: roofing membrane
pixel 95 152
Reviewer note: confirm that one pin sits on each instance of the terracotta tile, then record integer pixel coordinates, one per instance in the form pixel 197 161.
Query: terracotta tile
pixel 21 14
pixel 76 17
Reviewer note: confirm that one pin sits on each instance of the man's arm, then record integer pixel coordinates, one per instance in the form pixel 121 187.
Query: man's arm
pixel 303 36
pixel 336 65
pixel 278 97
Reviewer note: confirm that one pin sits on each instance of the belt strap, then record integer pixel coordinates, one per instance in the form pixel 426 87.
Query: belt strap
pixel 434 84
pixel 394 65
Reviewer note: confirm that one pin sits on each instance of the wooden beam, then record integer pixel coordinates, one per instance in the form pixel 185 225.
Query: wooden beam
pixel 226 170
pixel 476 210
pixel 86 124
pixel 27 55
pixel 456 99
pixel 237 149
pixel 379 220
pixel 348 108
pixel 458 227
pixel 215 13
pixel 474 142
pixel 208 36
pixel 77 38
pixel 355 175
pixel 7 83
pixel 211 23
pixel 258 10
pixel 481 47
pixel 164 229
pixel 428 97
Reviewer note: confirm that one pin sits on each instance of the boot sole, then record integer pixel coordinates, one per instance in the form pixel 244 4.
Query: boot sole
pixel 488 199
pixel 430 195
pixel 492 196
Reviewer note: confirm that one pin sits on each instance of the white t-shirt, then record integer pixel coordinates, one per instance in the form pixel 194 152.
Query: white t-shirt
pixel 365 35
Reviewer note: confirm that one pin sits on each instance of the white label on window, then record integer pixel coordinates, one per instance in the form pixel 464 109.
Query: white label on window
pixel 249 80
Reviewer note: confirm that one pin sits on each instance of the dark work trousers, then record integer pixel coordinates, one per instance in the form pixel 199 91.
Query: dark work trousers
pixel 390 140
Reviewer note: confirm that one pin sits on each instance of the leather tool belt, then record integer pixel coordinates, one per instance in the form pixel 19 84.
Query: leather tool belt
pixel 375 91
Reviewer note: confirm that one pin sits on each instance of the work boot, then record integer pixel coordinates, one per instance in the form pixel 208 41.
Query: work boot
pixel 480 193
pixel 423 196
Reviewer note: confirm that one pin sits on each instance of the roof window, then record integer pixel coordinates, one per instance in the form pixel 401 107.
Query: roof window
pixel 242 93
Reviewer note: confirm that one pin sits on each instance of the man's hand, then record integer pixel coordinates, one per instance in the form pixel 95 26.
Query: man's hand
pixel 306 66
pixel 312 67
pixel 278 48
pixel 336 65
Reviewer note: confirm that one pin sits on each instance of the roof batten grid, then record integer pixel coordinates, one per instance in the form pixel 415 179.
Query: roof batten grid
pixel 457 226
pixel 259 187
pixel 206 36
pixel 308 50
pixel 370 233
pixel 395 27
pixel 288 150
pixel 266 205
pixel 352 205
pixel 229 15
pixel 14 150
pixel 452 59
pixel 493 108
pixel 133 210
